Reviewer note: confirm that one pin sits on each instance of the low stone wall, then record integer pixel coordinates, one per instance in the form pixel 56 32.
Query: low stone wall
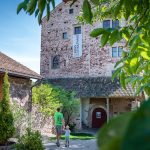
pixel 42 123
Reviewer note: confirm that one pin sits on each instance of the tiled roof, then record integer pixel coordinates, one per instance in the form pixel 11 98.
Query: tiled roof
pixel 93 87
pixel 15 68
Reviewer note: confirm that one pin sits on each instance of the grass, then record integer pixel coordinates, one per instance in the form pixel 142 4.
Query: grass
pixel 77 136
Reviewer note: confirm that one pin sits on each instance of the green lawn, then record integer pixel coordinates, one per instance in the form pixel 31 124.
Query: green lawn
pixel 77 136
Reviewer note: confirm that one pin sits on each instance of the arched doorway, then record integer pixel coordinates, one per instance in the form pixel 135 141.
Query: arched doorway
pixel 99 117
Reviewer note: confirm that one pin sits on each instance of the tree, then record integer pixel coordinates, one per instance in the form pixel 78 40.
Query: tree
pixel 7 128
pixel 70 106
pixel 134 67
pixel 49 98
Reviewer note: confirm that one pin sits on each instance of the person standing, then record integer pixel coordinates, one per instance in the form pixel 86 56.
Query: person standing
pixel 59 124
pixel 67 136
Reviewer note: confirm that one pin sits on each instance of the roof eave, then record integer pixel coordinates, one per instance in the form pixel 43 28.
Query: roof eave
pixel 17 74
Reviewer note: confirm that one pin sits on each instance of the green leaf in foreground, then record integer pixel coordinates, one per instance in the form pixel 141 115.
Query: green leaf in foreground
pixel 97 32
pixel 87 12
pixel 104 39
pixel 137 136
pixel 110 136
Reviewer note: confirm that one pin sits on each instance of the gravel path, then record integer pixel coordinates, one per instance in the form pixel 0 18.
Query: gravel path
pixel 74 145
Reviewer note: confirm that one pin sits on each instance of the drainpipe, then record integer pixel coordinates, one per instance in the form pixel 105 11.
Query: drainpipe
pixel 30 104
pixel 107 103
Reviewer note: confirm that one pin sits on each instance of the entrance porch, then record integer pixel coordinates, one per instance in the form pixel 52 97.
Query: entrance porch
pixel 95 112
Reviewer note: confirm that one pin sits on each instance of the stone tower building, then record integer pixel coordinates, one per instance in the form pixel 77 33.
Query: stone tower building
pixel 72 59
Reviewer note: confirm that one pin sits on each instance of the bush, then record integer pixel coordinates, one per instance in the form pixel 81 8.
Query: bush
pixel 32 140
pixel 7 128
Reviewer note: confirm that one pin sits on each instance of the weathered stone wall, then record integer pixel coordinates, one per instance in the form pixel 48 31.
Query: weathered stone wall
pixel 42 123
pixel 95 61
pixel 20 93
pixel 120 105
pixel 20 90
pixel 20 99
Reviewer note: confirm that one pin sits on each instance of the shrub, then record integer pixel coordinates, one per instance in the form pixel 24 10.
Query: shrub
pixel 31 140
pixel 7 128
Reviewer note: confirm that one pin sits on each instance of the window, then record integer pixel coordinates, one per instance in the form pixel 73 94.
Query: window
pixel 65 36
pixel 106 24
pixel 70 11
pixel 114 52
pixel 110 24
pixel 120 49
pixel 56 62
pixel 117 51
pixel 77 30
pixel 115 24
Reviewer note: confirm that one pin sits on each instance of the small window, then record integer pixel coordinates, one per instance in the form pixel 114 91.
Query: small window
pixel 115 24
pixel 114 52
pixel 117 51
pixel 77 30
pixel 56 62
pixel 70 11
pixel 120 49
pixel 65 35
pixel 106 24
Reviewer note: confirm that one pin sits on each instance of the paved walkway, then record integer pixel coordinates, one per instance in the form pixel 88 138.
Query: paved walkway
pixel 74 145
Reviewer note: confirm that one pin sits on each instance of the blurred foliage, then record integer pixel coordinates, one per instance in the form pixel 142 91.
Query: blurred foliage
pixel 113 132
pixel 129 131
pixel 36 7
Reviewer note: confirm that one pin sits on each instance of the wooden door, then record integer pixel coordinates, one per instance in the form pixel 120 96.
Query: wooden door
pixel 99 117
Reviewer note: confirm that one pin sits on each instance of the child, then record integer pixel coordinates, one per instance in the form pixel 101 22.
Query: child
pixel 67 136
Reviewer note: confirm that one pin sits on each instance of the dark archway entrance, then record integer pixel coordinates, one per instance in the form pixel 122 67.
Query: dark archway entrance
pixel 99 117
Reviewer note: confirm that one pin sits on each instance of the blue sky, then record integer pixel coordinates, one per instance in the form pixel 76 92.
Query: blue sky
pixel 20 35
